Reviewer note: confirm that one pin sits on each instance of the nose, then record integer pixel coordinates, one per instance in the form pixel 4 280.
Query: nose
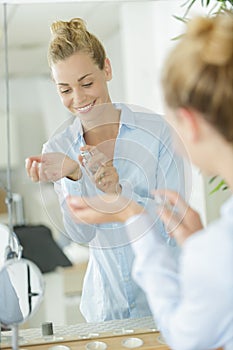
pixel 78 96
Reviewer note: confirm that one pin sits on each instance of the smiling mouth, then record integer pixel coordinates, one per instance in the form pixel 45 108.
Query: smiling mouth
pixel 86 108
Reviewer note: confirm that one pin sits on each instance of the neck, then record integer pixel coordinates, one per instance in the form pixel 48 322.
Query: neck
pixel 225 165
pixel 101 115
pixel 104 126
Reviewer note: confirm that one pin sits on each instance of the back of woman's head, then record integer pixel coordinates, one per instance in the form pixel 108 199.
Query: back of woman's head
pixel 198 72
pixel 71 37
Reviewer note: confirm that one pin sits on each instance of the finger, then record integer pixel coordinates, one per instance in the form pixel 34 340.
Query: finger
pixel 80 159
pixel 28 164
pixel 87 148
pixel 168 216
pixel 34 172
pixel 171 198
pixel 109 163
pixel 97 159
pixel 100 174
pixel 108 179
pixel 107 203
pixel 37 158
pixel 76 202
pixel 106 182
pixel 29 161
pixel 88 216
pixel 107 170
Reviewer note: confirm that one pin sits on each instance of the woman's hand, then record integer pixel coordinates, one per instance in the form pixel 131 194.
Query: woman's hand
pixel 101 209
pixel 52 166
pixel 107 179
pixel 179 218
pixel 101 169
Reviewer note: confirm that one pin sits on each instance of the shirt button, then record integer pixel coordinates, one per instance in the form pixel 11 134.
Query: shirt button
pixel 132 306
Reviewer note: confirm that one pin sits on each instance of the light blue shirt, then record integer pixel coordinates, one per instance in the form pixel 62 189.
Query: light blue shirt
pixel 193 307
pixel 144 159
pixel 10 312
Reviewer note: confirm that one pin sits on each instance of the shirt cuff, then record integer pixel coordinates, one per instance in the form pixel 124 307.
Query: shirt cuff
pixel 142 230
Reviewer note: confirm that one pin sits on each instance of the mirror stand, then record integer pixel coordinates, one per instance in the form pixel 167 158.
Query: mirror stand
pixel 15 337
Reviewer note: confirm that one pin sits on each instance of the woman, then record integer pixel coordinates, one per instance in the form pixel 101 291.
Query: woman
pixel 193 306
pixel 126 157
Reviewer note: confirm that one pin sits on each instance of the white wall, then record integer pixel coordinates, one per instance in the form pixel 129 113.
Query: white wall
pixel 147 31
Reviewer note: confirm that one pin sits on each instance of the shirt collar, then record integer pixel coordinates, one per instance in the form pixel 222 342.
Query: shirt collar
pixel 77 131
pixel 127 116
pixel 126 119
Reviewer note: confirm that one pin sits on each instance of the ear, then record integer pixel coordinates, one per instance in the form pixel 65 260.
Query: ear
pixel 108 69
pixel 189 121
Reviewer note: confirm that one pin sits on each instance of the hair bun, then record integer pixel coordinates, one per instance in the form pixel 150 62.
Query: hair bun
pixel 214 37
pixel 60 27
pixel 78 24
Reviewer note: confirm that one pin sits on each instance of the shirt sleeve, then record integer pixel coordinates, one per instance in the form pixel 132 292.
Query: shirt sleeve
pixel 80 233
pixel 10 312
pixel 182 297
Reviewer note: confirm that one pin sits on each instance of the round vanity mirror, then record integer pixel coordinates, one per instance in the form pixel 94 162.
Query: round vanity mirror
pixel 21 291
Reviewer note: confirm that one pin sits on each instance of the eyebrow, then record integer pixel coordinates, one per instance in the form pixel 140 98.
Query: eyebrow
pixel 80 79
pixel 86 75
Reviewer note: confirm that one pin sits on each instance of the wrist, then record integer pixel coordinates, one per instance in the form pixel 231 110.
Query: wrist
pixel 118 189
pixel 130 210
pixel 76 174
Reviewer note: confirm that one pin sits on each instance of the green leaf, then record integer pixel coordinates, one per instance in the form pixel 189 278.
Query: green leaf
pixel 177 37
pixel 212 179
pixel 189 7
pixel 182 19
pixel 220 186
pixel 218 6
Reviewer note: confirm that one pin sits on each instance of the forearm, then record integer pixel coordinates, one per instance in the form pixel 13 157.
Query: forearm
pixel 80 233
pixel 180 302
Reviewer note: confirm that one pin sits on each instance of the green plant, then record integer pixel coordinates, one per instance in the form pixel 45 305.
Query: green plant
pixel 221 185
pixel 218 5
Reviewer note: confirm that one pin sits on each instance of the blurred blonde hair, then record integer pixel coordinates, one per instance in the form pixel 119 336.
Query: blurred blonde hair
pixel 71 37
pixel 198 72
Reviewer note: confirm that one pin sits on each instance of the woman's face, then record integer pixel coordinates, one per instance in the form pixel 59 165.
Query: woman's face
pixel 80 83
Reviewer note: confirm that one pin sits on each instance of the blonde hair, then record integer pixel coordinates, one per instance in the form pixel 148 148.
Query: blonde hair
pixel 198 72
pixel 71 37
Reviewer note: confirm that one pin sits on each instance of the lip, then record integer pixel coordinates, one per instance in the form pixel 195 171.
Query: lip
pixel 86 108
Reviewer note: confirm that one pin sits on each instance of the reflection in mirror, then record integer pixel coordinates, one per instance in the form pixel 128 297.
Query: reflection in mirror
pixel 8 240
pixel 21 291
pixel 136 53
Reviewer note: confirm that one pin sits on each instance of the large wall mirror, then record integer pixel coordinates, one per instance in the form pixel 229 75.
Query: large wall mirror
pixel 137 35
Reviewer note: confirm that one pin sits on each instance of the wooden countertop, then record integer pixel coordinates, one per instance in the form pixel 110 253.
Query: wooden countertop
pixel 151 340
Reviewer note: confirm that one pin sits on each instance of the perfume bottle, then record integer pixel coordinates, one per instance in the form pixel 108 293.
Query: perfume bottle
pixel 93 160
pixel 86 156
